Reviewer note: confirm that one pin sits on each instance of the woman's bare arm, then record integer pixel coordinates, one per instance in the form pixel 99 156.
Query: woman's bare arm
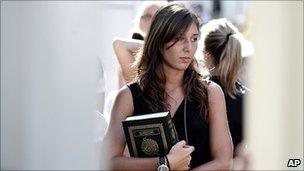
pixel 114 142
pixel 125 50
pixel 220 138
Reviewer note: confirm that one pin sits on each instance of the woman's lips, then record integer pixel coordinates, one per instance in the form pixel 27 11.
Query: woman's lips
pixel 185 59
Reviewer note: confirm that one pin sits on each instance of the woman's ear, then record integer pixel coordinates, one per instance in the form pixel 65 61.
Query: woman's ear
pixel 208 59
pixel 205 55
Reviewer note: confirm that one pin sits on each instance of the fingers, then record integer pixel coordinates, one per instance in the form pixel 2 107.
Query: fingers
pixel 185 165
pixel 180 155
pixel 186 168
pixel 189 148
pixel 187 159
pixel 184 145
pixel 181 143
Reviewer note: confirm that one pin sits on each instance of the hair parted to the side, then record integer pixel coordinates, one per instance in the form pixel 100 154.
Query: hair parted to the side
pixel 221 42
pixel 167 24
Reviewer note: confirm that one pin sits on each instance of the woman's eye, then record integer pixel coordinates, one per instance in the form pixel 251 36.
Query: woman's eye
pixel 194 39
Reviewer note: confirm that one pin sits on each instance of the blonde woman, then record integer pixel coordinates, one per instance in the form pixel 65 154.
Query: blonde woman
pixel 222 48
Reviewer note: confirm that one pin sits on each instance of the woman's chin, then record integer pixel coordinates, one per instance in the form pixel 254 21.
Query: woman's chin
pixel 182 67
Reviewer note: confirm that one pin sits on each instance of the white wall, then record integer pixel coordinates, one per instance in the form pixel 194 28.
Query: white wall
pixel 275 114
pixel 49 58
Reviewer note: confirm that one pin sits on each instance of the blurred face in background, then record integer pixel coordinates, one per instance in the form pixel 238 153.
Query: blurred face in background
pixel 146 17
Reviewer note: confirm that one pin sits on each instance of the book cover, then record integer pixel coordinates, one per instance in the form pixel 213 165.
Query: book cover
pixel 150 135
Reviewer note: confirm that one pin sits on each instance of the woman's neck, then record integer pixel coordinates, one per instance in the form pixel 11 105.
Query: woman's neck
pixel 174 78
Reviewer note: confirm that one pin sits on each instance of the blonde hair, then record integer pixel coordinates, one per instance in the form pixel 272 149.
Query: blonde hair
pixel 222 43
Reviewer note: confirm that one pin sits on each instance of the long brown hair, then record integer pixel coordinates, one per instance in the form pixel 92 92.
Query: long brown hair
pixel 223 45
pixel 167 24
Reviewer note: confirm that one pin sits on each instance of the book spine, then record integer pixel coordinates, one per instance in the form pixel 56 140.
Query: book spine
pixel 128 139
pixel 172 137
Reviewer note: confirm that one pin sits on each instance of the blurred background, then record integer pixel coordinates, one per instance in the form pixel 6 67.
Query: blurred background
pixel 59 77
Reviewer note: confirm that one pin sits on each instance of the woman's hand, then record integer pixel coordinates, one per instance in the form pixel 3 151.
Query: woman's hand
pixel 180 156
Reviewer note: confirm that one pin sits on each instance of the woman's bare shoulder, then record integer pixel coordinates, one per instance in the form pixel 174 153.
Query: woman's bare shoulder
pixel 215 91
pixel 124 94
pixel 124 101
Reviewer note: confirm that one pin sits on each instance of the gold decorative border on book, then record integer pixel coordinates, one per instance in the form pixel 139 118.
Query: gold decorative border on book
pixel 158 125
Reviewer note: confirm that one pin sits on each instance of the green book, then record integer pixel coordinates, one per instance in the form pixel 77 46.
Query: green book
pixel 150 135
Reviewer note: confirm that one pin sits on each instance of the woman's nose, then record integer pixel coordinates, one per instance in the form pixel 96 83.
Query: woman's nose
pixel 187 45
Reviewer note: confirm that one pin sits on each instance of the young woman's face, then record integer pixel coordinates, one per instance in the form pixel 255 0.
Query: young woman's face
pixel 180 55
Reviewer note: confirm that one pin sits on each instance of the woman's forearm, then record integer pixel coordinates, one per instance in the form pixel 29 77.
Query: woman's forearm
pixel 124 51
pixel 131 163
pixel 218 164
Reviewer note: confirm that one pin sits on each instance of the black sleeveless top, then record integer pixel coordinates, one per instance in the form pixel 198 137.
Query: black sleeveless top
pixel 198 129
pixel 234 111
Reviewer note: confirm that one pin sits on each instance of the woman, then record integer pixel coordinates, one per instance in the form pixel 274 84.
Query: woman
pixel 222 48
pixel 125 49
pixel 168 80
